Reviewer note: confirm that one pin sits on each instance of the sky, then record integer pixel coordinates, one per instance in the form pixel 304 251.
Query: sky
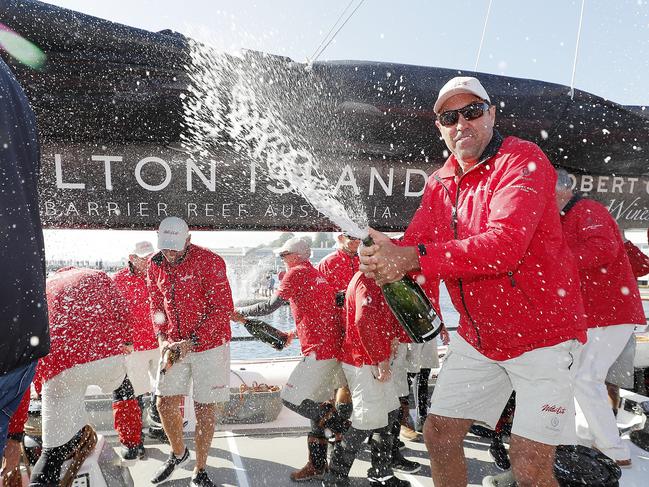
pixel 528 39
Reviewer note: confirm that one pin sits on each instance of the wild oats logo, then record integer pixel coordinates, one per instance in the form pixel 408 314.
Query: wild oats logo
pixel 553 409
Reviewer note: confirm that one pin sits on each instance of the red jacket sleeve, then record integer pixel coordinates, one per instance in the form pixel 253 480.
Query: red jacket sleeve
pixel 217 288
pixel 516 208
pixel 372 317
pixel 156 300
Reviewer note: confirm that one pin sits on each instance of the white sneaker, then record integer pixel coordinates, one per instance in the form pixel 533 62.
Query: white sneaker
pixel 505 479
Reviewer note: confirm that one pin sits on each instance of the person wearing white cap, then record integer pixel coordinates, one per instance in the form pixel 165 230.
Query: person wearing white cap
pixel 191 304
pixel 488 226
pixel 315 379
pixel 142 361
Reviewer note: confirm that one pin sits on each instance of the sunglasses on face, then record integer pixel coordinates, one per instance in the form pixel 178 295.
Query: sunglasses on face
pixel 470 112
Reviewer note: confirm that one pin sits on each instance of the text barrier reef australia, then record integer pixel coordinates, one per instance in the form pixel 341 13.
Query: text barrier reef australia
pixel 135 128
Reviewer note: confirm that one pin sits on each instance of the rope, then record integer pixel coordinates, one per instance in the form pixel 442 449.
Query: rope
pixel 315 58
pixel 574 64
pixel 332 28
pixel 484 31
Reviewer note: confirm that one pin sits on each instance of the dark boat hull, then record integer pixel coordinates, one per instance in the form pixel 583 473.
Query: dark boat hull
pixel 110 113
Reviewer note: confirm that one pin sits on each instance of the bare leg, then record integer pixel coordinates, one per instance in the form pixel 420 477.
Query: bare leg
pixel 205 419
pixel 443 438
pixel 172 422
pixel 613 396
pixel 532 463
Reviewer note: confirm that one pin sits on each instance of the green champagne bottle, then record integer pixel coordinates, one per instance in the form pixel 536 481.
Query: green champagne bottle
pixel 411 307
pixel 263 332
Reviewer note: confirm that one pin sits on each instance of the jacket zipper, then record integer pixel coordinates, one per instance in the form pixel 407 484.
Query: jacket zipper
pixel 173 303
pixel 455 235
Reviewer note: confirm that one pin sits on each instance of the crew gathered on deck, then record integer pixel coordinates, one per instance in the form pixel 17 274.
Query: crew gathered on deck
pixel 540 277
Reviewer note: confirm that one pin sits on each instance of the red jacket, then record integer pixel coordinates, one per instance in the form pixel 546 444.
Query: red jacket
pixel 608 286
pixel 339 267
pixel 494 236
pixel 313 304
pixel 371 326
pixel 192 298
pixel 134 291
pixel 87 320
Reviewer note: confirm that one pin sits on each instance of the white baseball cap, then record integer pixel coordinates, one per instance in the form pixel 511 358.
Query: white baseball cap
pixel 457 85
pixel 295 245
pixel 144 248
pixel 172 233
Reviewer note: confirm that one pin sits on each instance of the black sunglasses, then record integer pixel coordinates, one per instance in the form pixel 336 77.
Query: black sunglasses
pixel 470 112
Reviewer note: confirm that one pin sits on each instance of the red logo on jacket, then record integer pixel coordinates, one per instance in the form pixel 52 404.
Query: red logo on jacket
pixel 553 409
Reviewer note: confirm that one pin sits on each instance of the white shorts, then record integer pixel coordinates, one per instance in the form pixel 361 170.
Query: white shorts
pixel 63 407
pixel 621 372
pixel 313 379
pixel 372 400
pixel 207 373
pixel 399 369
pixel 422 356
pixel 142 370
pixel 472 386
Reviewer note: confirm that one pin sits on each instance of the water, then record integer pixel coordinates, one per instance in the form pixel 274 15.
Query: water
pixel 264 113
pixel 283 320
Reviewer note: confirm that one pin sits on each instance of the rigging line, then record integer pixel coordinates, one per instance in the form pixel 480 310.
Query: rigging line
pixel 336 33
pixel 484 31
pixel 332 28
pixel 574 64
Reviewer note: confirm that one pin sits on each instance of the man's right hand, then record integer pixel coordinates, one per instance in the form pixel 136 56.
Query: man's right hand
pixel 236 316
pixel 384 371
pixel 386 262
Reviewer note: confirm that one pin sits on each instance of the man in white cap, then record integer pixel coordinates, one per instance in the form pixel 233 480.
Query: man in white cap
pixel 488 225
pixel 142 361
pixel 315 379
pixel 191 304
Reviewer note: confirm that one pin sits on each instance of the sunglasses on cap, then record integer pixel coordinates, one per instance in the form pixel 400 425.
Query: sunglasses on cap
pixel 470 112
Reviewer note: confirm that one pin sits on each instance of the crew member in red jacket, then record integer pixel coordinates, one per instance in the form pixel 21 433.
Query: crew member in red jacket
pixel 318 375
pixel 142 361
pixel 191 304
pixel 488 225
pixel 340 266
pixel 613 307
pixel 89 334
pixel 367 352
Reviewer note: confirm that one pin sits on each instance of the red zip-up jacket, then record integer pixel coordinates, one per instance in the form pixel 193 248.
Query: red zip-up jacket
pixel 608 286
pixel 87 320
pixel 371 326
pixel 192 299
pixel 338 268
pixel 494 236
pixel 134 291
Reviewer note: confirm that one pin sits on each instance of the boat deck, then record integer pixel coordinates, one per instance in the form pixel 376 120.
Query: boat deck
pixel 265 455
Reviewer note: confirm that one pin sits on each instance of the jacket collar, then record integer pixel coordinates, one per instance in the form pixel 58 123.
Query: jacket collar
pixel 450 167
pixel 571 203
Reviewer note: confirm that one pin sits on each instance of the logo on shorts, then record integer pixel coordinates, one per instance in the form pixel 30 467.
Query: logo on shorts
pixel 289 385
pixel 221 386
pixel 553 409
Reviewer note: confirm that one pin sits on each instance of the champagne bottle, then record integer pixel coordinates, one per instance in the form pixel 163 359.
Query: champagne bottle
pixel 262 331
pixel 170 357
pixel 411 307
